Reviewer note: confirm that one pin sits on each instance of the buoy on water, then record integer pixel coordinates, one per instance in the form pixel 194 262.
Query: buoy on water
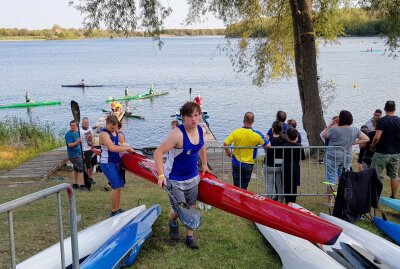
pixel 355 86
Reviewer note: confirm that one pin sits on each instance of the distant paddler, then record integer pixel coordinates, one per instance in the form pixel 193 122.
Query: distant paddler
pixel 82 83
pixel 198 100
pixel 151 91
pixel 28 98
pixel 126 91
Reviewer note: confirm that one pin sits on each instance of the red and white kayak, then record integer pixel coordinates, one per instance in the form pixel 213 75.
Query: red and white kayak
pixel 247 205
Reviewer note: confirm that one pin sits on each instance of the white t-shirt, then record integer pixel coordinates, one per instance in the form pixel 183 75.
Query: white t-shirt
pixel 87 138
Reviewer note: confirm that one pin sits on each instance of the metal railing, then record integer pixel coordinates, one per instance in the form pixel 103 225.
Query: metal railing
pixel 268 175
pixel 12 205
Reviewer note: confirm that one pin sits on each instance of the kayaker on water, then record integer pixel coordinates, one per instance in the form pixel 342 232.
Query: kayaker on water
pixel 151 91
pixel 179 174
pixel 82 83
pixel 27 97
pixel 110 161
pixel 126 91
pixel 198 100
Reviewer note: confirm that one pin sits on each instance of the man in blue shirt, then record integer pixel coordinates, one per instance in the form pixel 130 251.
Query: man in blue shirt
pixel 73 140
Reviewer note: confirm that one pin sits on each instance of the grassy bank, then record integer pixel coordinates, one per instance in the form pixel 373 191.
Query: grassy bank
pixel 226 241
pixel 21 141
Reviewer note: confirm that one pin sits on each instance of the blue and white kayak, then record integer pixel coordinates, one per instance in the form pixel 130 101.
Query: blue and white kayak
pixel 349 252
pixel 389 202
pixel 89 240
pixel 381 247
pixel 391 229
pixel 121 250
pixel 296 252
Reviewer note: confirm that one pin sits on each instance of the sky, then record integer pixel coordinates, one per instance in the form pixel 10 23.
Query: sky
pixel 43 14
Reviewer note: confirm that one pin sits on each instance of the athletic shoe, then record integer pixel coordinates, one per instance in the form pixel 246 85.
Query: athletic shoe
pixel 83 188
pixel 173 230
pixel 191 243
pixel 114 213
pixel 121 210
pixel 75 186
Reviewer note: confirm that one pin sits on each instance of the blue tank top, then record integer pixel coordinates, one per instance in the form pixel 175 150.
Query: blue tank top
pixel 106 155
pixel 182 162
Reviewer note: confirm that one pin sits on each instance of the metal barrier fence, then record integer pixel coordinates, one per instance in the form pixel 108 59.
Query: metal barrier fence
pixel 10 206
pixel 270 174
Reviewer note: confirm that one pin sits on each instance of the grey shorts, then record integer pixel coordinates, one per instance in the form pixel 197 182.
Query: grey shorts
pixel 182 195
pixel 77 164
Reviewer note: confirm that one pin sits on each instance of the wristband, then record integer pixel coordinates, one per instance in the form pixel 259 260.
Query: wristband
pixel 162 175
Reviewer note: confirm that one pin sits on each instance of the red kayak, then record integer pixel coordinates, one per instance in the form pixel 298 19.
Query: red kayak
pixel 247 205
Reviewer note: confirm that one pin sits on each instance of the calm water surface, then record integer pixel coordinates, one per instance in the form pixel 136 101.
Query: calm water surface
pixel 40 67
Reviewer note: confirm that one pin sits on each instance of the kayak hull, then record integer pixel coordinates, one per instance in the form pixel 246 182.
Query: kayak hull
pixel 389 202
pixel 81 86
pixel 122 249
pixel 31 104
pixel 391 229
pixel 89 240
pixel 372 242
pixel 246 204
pixel 296 252
pixel 137 97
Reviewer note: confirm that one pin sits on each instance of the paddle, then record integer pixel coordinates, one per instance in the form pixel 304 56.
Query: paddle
pixel 77 117
pixel 190 94
pixel 190 218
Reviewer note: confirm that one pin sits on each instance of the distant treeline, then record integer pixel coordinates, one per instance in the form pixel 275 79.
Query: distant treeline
pixel 57 33
pixel 355 22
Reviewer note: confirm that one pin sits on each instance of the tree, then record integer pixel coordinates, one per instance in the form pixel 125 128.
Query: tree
pixel 290 46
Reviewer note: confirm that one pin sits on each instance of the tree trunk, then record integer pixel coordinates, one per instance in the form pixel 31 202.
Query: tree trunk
pixel 306 69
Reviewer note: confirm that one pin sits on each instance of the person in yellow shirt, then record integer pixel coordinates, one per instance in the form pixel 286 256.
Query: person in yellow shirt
pixel 243 158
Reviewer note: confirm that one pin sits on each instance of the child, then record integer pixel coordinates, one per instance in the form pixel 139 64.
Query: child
pixel 291 165
pixel 174 124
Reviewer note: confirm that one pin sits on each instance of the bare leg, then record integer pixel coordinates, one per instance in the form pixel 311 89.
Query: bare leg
pixel 115 199
pixel 74 177
pixel 79 178
pixel 90 172
pixel 394 183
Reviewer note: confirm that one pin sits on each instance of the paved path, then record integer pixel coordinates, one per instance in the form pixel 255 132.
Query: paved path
pixel 40 167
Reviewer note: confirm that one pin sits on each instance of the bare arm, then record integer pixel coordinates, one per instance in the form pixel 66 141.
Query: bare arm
pixel 362 140
pixel 227 150
pixel 203 157
pixel 171 141
pixel 376 138
pixel 106 141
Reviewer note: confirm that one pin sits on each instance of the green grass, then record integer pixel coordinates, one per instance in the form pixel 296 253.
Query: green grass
pixel 21 141
pixel 226 241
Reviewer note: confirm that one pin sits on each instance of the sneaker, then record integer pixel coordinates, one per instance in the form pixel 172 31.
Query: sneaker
pixel 107 187
pixel 83 188
pixel 114 213
pixel 173 230
pixel 91 180
pixel 121 210
pixel 75 186
pixel 191 243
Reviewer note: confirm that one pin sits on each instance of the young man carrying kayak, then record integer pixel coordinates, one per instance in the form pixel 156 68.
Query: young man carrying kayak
pixel 179 174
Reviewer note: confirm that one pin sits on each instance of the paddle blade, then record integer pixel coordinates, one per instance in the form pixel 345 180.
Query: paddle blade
pixel 75 111
pixel 191 218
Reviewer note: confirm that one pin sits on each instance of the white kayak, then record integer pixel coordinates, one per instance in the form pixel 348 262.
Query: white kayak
pixel 372 242
pixel 89 240
pixel 297 253
pixel 349 252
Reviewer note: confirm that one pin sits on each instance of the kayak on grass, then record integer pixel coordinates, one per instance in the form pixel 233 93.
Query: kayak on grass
pixel 389 228
pixel 81 86
pixel 372 242
pixel 390 202
pixel 121 250
pixel 246 204
pixel 89 240
pixel 296 252
pixel 137 97
pixel 347 251
pixel 31 104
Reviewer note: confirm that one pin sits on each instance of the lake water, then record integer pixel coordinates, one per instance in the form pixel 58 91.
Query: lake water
pixel 40 67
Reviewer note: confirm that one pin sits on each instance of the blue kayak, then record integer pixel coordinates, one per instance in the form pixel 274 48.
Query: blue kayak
pixel 120 251
pixel 389 202
pixel 391 229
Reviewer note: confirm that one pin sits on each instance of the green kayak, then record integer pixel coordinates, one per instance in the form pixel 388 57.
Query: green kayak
pixel 137 97
pixel 31 104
